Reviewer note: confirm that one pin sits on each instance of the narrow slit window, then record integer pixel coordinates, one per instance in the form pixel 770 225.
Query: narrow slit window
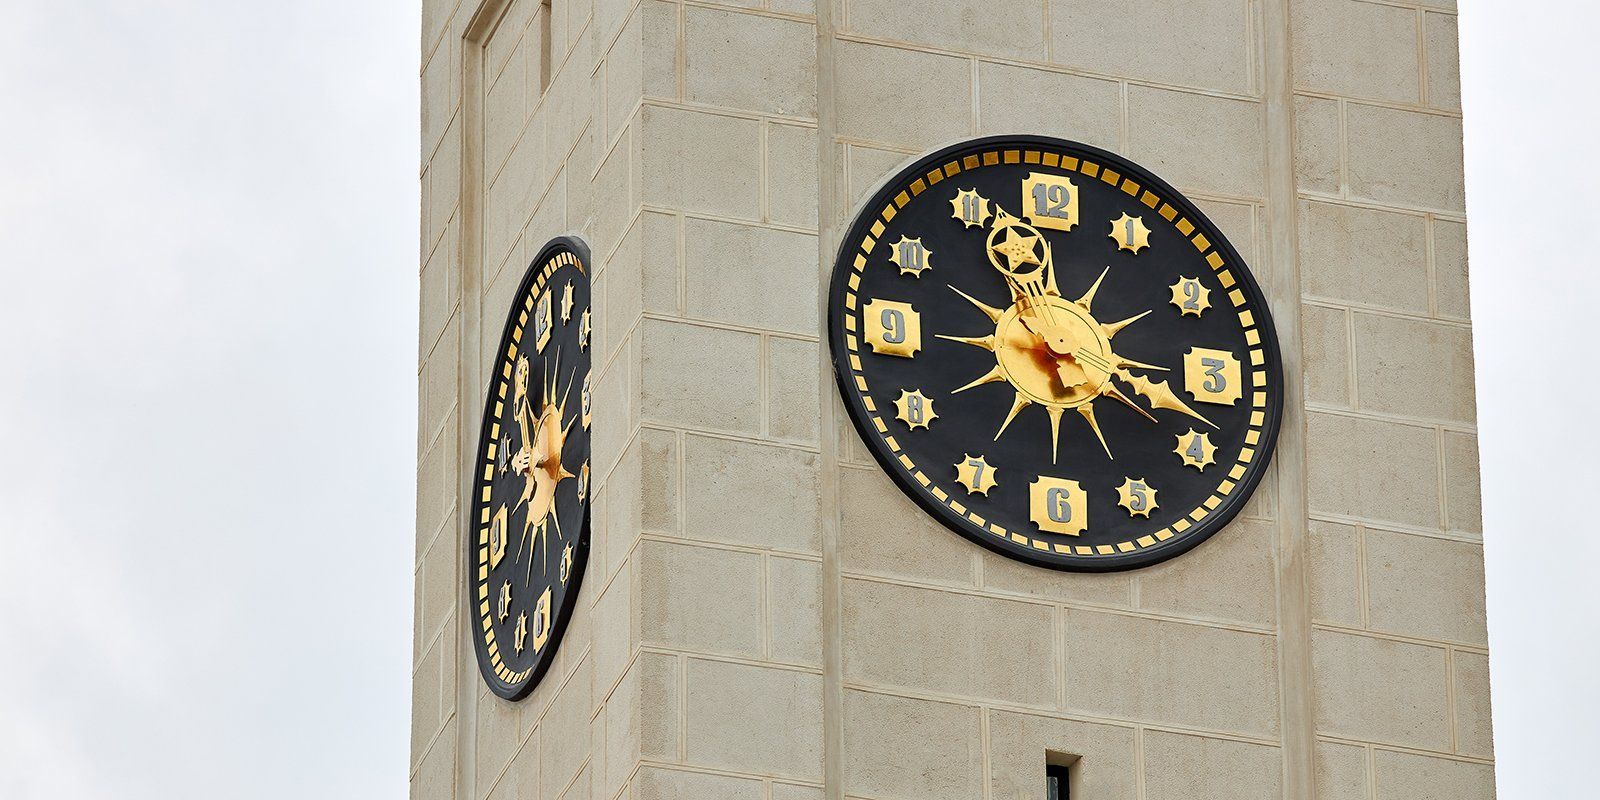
pixel 1058 774
pixel 544 46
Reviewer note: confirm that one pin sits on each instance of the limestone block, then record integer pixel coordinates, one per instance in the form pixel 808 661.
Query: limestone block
pixel 564 739
pixel 440 290
pixel 794 610
pixel 1009 575
pixel 1463 497
pixel 684 162
pixel 1405 157
pixel 1121 666
pixel 1425 587
pixel 1335 567
pixel 1341 772
pixel 700 599
pixel 751 494
pixel 1474 732
pixel 642 63
pixel 1204 43
pixel 1232 576
pixel 513 194
pixel 426 697
pixel 792 391
pixel 1197 142
pixel 1013 99
pixel 1414 367
pixel 1317 145
pixel 899 748
pixel 882 532
pixel 948 643
pixel 791 791
pixel 752 719
pixel 658 248
pixel 868 167
pixel 505 103
pixel 582 787
pixel 792 175
pixel 439 98
pixel 640 719
pixel 1399 475
pixel 613 208
pixel 700 377
pixel 1325 336
pixel 616 399
pixel 444 185
pixel 1183 767
pixel 1008 28
pixel 618 293
pixel 614 639
pixel 1450 269
pixel 751 276
pixel 439 581
pixel 436 776
pixel 520 781
pixel 803 7
pixel 1379 690
pixel 439 386
pixel 508 37
pixel 902 97
pixel 1364 256
pixel 1017 743
pixel 436 485
pixel 1444 68
pixel 1236 220
pixel 497 738
pixel 1356 49
pixel 1409 776
pixel 660 783
pixel 750 62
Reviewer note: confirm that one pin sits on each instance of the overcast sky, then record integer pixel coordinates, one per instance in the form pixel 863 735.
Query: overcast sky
pixel 208 260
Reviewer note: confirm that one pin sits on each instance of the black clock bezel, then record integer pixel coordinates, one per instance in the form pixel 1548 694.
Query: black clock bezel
pixel 862 220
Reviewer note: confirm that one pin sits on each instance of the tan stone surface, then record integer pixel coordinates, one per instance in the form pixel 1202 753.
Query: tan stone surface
pixel 966 25
pixel 751 276
pixel 1410 776
pixel 1182 767
pixel 751 494
pixel 1405 157
pixel 1380 690
pixel 1364 256
pixel 1335 573
pixel 948 643
pixel 1326 347
pixel 1318 160
pixel 1450 268
pixel 1197 142
pixel 1341 772
pixel 1356 49
pixel 1415 367
pixel 897 747
pixel 1232 576
pixel 1474 731
pixel 880 101
pixel 1425 587
pixel 660 783
pixel 882 532
pixel 682 163
pixel 700 377
pixel 750 62
pixel 754 719
pixel 701 599
pixel 1083 109
pixel 1463 496
pixel 794 610
pixel 1398 474
pixel 1107 765
pixel 1203 43
pixel 1123 666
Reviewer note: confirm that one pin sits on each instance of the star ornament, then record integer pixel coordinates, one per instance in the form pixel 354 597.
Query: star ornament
pixel 1138 497
pixel 1196 450
pixel 1130 233
pixel 911 256
pixel 970 208
pixel 1018 249
pixel 914 409
pixel 975 473
pixel 1190 296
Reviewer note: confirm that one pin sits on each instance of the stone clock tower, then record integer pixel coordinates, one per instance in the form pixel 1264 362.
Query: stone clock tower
pixel 768 608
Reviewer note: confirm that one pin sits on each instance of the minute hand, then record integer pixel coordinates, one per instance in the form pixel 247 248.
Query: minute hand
pixel 1158 393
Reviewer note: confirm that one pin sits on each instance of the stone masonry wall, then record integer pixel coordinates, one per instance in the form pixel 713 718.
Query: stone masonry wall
pixel 766 617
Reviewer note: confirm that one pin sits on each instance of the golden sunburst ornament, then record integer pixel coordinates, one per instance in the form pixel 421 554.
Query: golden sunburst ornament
pixel 539 460
pixel 1051 350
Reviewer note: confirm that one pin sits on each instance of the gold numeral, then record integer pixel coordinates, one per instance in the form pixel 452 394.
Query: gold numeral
pixel 975 473
pixel 541 323
pixel 1196 450
pixel 970 208
pixel 1050 201
pixel 1211 376
pixel 1130 233
pixel 911 256
pixel 1058 505
pixel 1190 296
pixel 914 408
pixel 1137 496
pixel 497 537
pixel 893 328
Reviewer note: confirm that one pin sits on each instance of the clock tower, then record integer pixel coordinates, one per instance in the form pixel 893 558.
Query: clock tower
pixel 903 400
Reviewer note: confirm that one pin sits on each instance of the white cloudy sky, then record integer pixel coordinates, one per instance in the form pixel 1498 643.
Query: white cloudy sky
pixel 207 316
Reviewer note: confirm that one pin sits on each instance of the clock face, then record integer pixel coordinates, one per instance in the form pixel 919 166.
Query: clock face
pixel 530 532
pixel 1055 353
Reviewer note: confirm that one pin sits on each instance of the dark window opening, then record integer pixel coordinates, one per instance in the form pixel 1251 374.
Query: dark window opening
pixel 1057 783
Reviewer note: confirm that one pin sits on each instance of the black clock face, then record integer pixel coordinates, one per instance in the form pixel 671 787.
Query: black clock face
pixel 530 520
pixel 1055 353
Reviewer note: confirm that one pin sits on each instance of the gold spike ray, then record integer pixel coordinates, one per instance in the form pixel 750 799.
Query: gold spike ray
pixel 991 376
pixel 1159 394
pixel 988 310
pixel 985 342
pixel 1087 410
pixel 1087 299
pixel 1016 405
